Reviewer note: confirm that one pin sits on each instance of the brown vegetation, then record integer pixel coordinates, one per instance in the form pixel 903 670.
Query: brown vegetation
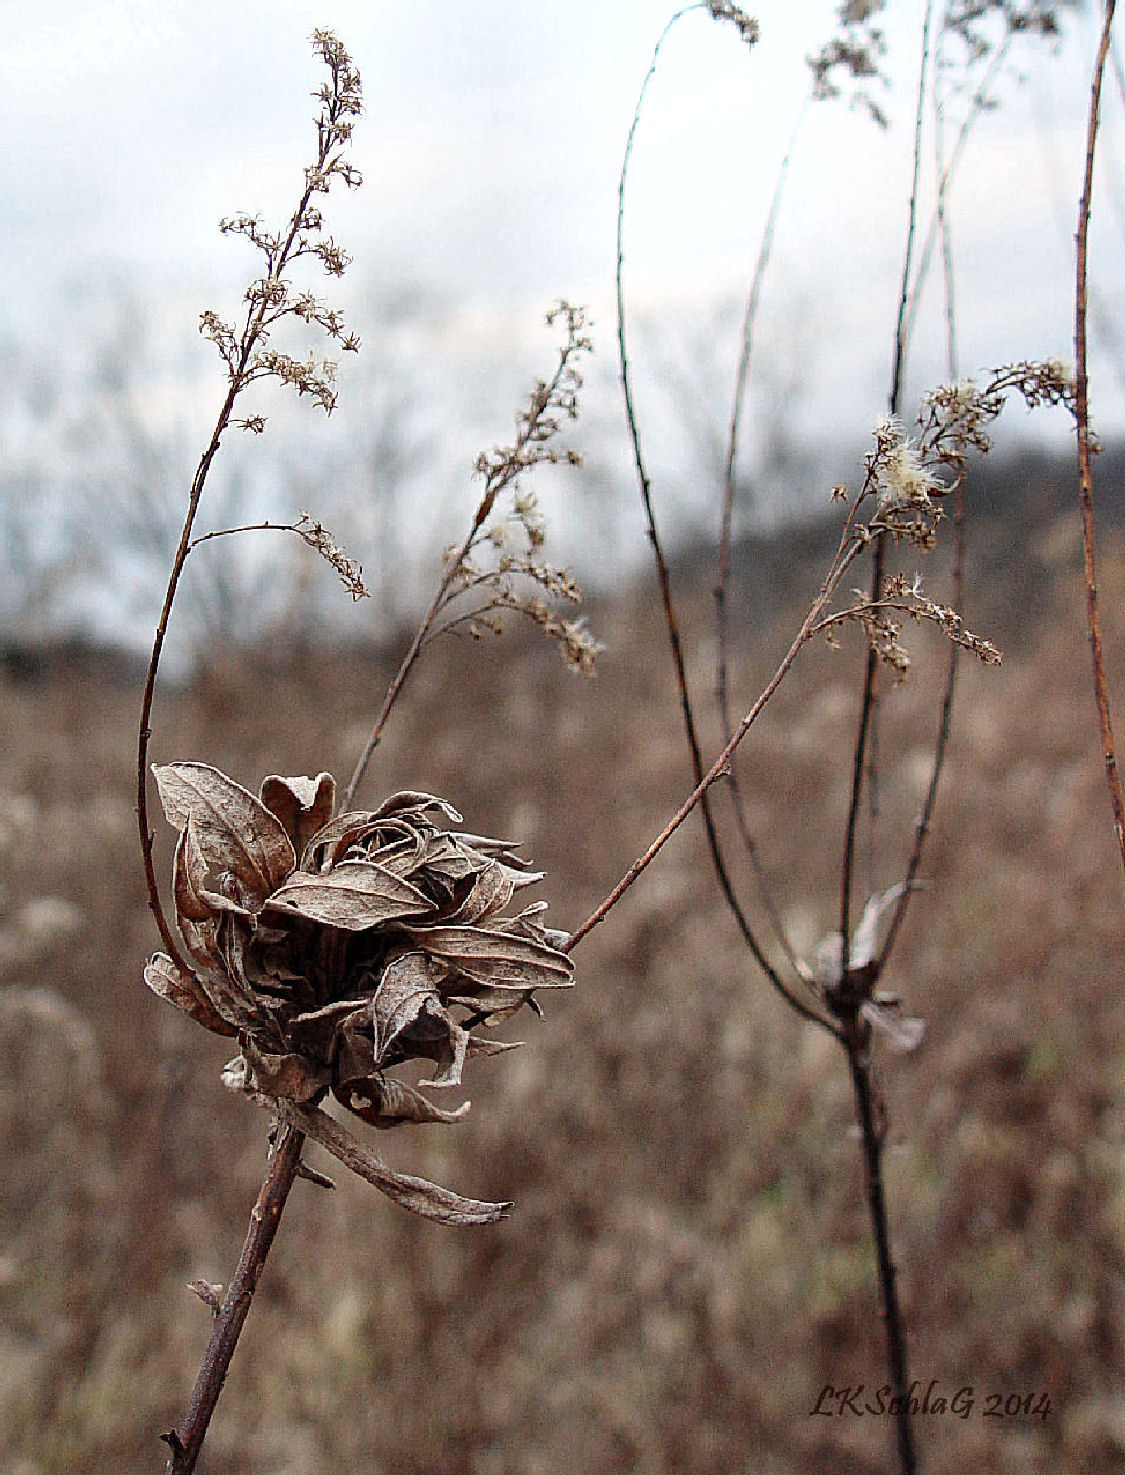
pixel 688 1262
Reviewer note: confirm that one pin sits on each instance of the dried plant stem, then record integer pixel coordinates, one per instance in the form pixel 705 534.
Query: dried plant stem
pixel 848 551
pixel 493 487
pixel 898 371
pixel 285 1162
pixel 859 1066
pixel 865 736
pixel 726 522
pixel 945 722
pixel 665 583
pixel 936 228
pixel 863 769
pixel 145 731
pixel 1085 455
pixel 239 366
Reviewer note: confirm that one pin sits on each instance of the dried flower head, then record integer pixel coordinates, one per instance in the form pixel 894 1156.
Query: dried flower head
pixel 857 50
pixel 746 25
pixel 500 566
pixel 338 949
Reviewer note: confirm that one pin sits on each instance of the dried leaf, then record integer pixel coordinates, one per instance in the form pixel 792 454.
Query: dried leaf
pixel 288 1075
pixel 329 843
pixel 303 805
pixel 414 799
pixel 167 982
pixel 356 895
pixel 235 833
pixel 500 959
pixel 429 1200
pixel 410 1019
pixel 385 1102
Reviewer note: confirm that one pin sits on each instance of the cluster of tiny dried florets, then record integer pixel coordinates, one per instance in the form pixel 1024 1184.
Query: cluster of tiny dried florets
pixel 968 20
pixel 746 25
pixel 318 537
pixel 857 49
pixel 882 619
pixel 499 567
pixel 908 478
pixel 271 298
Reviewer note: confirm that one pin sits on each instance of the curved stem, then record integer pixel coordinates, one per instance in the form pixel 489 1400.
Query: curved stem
pixel 664 578
pixel 240 372
pixel 285 1161
pixel 722 576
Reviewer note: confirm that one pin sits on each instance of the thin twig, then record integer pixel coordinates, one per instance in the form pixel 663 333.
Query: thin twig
pixel 945 719
pixel 285 1161
pixel 946 176
pixel 848 552
pixel 264 310
pixel 496 480
pixel 726 521
pixel 1085 468
pixel 945 722
pixel 665 582
pixel 869 701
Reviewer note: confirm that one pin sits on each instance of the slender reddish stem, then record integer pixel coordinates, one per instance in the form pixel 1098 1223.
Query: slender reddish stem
pixel 1085 450
pixel 187 1441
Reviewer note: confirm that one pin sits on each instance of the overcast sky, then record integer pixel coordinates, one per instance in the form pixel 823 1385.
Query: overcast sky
pixel 490 145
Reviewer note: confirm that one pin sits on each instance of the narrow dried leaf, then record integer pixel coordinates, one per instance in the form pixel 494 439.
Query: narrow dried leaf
pixel 167 982
pixel 414 799
pixel 429 1200
pixel 356 895
pixel 327 843
pixel 497 958
pixel 491 891
pixel 410 1019
pixel 235 833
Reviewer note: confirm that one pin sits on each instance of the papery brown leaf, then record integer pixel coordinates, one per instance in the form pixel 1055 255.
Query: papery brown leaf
pixel 303 805
pixel 329 843
pixel 499 959
pixel 407 1003
pixel 356 895
pixel 414 799
pixel 491 890
pixel 385 1102
pixel 167 982
pixel 427 1199
pixel 288 1075
pixel 235 833
pixel 315 1029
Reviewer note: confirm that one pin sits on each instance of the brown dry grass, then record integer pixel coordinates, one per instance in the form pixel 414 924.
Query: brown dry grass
pixel 688 1260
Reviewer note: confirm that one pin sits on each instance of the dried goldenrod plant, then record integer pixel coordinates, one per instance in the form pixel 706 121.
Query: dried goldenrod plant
pixel 909 482
pixel 337 944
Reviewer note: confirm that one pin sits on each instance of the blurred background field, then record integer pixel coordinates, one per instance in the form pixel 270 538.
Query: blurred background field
pixel 687 1264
